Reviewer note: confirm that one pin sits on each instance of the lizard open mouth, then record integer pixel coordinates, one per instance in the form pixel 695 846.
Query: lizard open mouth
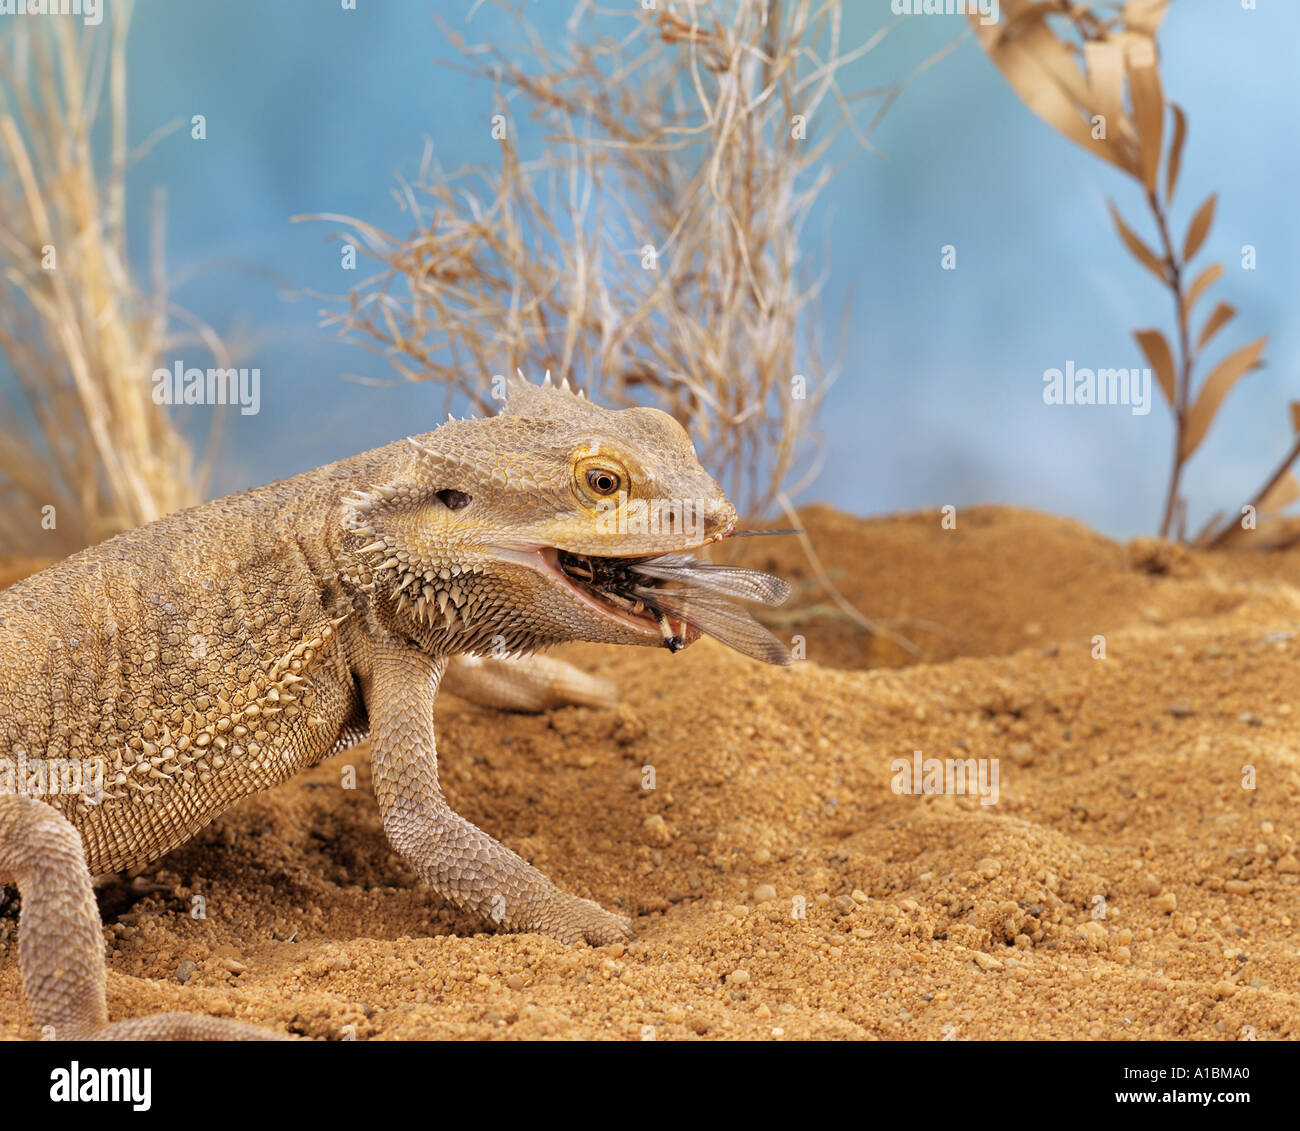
pixel 682 598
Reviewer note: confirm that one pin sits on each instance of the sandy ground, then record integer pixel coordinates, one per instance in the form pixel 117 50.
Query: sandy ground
pixel 1126 884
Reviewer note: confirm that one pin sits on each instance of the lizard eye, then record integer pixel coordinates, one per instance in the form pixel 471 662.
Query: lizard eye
pixel 603 482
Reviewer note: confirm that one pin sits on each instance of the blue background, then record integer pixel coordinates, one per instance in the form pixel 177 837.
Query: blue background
pixel 312 108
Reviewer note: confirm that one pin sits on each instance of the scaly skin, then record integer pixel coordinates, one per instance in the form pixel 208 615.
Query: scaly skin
pixel 218 651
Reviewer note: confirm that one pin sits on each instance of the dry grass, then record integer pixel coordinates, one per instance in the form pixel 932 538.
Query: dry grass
pixel 79 335
pixel 653 253
pixel 1096 79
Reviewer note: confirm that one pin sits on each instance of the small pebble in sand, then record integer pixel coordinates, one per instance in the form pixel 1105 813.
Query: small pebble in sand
pixel 1093 932
pixel 1167 902
pixel 763 893
pixel 738 977
pixel 657 831
pixel 1021 753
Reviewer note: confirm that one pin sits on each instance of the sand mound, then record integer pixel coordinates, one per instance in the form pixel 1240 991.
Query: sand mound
pixel 1125 885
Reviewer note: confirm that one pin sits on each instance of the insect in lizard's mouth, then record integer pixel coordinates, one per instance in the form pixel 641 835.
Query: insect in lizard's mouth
pixel 615 582
pixel 681 598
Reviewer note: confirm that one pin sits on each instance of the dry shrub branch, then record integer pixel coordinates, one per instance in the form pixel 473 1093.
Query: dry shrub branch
pixel 79 336
pixel 652 252
pixel 1096 80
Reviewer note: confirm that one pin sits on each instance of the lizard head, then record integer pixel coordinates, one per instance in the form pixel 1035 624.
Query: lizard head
pixel 528 528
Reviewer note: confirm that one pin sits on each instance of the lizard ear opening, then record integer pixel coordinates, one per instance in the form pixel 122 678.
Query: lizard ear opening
pixel 454 500
pixel 381 512
pixel 403 531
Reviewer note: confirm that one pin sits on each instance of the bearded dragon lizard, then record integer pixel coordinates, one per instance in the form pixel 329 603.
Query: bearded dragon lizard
pixel 216 652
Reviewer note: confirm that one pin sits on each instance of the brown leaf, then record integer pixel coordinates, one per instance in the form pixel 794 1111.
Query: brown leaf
pixel 1199 228
pixel 1145 15
pixel 1175 151
pixel 1148 107
pixel 1105 60
pixel 1040 70
pixel 1204 280
pixel 1219 317
pixel 1280 496
pixel 1143 253
pixel 1295 416
pixel 1160 358
pixel 1217 386
pixel 1035 34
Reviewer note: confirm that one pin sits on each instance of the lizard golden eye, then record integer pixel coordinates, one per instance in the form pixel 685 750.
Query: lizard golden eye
pixel 603 482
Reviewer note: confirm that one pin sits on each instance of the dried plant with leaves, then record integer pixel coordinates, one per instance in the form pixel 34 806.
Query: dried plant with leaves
pixel 652 252
pixel 1096 80
pixel 79 337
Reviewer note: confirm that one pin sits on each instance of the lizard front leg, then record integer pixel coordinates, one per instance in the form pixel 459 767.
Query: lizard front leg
pixel 454 857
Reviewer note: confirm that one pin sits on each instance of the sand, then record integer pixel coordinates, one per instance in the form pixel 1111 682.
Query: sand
pixel 1127 885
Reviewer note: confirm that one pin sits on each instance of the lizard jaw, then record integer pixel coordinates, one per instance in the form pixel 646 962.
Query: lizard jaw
pixel 668 630
pixel 680 597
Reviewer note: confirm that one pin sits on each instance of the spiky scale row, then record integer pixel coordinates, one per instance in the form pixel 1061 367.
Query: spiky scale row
pixel 201 743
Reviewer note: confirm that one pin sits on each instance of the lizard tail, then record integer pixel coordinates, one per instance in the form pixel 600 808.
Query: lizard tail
pixel 60 947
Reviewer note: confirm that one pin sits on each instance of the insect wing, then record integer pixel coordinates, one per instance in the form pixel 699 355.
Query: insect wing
pixel 725 581
pixel 717 617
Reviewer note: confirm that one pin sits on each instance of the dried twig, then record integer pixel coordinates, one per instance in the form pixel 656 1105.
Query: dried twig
pixel 653 251
pixel 81 338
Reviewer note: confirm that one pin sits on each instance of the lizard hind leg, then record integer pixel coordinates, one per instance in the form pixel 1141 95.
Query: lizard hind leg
pixel 526 683
pixel 60 944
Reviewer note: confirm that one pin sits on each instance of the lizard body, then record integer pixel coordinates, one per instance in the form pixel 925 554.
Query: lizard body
pixel 218 651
